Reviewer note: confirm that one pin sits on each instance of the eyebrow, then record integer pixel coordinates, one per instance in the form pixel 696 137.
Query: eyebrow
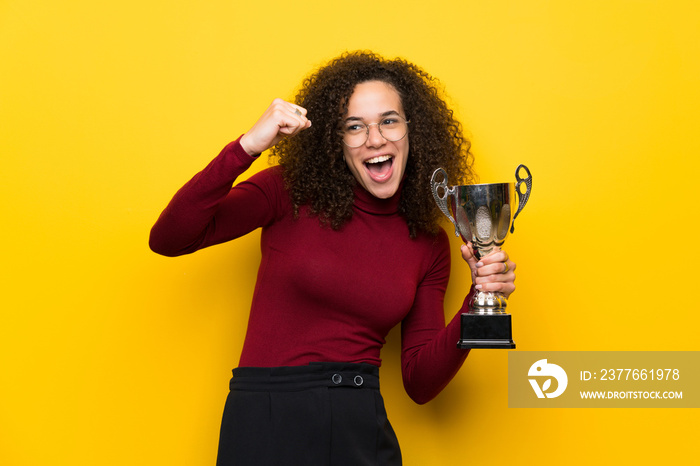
pixel 381 115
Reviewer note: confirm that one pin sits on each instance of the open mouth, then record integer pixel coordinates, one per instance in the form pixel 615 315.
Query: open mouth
pixel 379 168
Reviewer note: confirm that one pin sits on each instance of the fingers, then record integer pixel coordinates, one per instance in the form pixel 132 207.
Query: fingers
pixel 468 255
pixel 503 283
pixel 495 272
pixel 298 111
pixel 298 123
pixel 495 263
pixel 281 119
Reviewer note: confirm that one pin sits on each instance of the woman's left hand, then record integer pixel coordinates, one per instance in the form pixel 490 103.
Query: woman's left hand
pixel 494 272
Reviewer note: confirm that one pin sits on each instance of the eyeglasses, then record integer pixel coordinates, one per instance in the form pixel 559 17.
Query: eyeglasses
pixel 392 128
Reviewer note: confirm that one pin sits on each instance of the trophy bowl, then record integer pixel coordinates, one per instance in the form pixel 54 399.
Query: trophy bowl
pixel 483 214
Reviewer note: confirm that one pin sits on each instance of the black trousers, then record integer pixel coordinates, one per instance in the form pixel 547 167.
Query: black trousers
pixel 324 414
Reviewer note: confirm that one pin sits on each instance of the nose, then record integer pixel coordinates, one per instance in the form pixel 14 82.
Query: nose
pixel 374 136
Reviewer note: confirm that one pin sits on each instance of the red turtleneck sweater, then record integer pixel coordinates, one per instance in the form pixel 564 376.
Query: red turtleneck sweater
pixel 323 295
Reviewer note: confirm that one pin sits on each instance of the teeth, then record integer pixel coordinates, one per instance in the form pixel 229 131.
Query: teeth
pixel 379 159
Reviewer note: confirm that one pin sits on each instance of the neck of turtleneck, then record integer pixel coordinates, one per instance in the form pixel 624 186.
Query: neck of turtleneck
pixel 373 205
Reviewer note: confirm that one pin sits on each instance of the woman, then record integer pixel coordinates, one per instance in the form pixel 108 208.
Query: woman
pixel 350 248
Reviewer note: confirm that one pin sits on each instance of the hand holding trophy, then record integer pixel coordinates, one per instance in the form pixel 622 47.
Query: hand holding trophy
pixel 482 214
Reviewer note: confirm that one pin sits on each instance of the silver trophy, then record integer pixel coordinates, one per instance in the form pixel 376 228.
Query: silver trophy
pixel 483 214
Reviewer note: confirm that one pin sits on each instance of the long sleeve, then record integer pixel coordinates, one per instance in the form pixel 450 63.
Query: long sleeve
pixel 207 211
pixel 323 294
pixel 430 357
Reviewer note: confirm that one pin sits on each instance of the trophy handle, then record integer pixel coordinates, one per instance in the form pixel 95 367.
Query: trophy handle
pixel 441 201
pixel 522 198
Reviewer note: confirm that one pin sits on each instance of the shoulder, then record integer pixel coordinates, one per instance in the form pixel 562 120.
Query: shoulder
pixel 270 183
pixel 269 174
pixel 435 241
pixel 436 250
pixel 269 180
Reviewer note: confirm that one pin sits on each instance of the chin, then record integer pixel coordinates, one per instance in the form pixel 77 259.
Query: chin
pixel 382 192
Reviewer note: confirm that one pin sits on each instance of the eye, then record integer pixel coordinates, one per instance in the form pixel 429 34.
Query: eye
pixel 388 122
pixel 355 128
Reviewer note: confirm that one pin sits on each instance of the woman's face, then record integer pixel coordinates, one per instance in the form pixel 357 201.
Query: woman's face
pixel 378 165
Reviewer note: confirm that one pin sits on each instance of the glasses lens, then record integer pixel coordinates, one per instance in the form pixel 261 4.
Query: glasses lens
pixel 392 129
pixel 355 134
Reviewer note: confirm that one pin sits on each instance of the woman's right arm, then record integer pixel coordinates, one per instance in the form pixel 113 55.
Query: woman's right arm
pixel 206 210
pixel 194 218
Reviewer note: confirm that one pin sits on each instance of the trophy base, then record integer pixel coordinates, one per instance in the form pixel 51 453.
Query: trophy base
pixel 486 331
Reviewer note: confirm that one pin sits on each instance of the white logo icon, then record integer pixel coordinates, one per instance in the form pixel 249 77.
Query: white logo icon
pixel 542 369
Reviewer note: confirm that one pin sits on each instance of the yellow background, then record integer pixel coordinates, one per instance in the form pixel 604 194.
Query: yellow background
pixel 112 355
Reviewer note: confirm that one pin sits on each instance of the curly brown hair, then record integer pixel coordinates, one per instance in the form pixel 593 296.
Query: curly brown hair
pixel 313 166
